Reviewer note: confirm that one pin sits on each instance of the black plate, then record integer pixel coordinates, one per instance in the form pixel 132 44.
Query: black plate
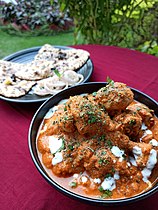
pixel 26 56
pixel 41 112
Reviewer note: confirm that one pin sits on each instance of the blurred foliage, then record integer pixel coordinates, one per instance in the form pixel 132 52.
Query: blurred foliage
pixel 35 17
pixel 125 23
pixel 150 47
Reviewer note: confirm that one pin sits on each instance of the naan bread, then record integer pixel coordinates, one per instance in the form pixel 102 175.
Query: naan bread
pixel 14 89
pixel 50 58
pixel 35 70
pixel 68 59
pixel 7 69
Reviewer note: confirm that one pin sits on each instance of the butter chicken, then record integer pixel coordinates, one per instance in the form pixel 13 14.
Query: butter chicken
pixel 101 145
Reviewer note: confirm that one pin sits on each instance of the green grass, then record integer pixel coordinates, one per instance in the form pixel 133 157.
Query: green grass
pixel 11 43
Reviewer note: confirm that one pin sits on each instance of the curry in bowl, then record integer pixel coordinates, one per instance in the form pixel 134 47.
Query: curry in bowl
pixel 101 145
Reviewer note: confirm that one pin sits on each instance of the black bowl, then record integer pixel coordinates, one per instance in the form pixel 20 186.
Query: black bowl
pixel 54 100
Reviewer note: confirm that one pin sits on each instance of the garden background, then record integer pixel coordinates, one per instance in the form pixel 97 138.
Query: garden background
pixel 126 23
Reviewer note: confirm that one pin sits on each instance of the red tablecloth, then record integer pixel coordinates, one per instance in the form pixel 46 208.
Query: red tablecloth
pixel 21 185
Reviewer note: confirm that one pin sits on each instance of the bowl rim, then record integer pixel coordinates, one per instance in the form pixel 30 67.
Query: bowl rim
pixel 71 194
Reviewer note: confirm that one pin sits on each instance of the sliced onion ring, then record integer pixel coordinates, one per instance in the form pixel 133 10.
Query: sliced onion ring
pixel 72 77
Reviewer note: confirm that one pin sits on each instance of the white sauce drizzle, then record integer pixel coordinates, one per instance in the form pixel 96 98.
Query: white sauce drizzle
pixel 75 176
pixel 117 152
pixel 154 143
pixel 55 144
pixel 58 158
pixel 97 180
pixel 50 113
pixel 146 132
pixel 137 151
pixel 116 176
pixel 152 160
pixel 108 184
pixel 84 179
pixel 144 127
pixel 132 161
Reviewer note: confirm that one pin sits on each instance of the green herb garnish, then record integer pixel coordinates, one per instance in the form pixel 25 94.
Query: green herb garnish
pixel 107 175
pixel 113 170
pixel 92 119
pixel 103 161
pixel 101 189
pixel 109 143
pixel 132 122
pixel 70 147
pixel 110 81
pixel 56 72
pixel 73 184
pixel 94 93
pixel 103 153
pixel 62 146
pixel 106 194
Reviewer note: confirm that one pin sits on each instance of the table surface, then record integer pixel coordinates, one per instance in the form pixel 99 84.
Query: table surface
pixel 21 186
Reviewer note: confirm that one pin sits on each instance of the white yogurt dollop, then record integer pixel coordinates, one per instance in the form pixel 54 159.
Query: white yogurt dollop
pixel 152 160
pixel 108 184
pixel 58 158
pixel 117 152
pixel 55 144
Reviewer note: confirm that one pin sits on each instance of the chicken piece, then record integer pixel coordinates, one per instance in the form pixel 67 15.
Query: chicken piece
pixel 114 97
pixel 130 122
pixel 67 167
pixel 60 121
pixel 74 157
pixel 47 159
pixel 141 152
pixel 43 144
pixel 116 138
pixel 125 168
pixel 89 117
pixel 146 113
pixel 100 164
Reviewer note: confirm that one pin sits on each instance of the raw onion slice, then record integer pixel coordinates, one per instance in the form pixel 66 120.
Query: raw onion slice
pixel 72 77
pixel 55 84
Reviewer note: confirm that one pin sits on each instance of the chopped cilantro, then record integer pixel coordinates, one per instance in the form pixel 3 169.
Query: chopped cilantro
pixel 101 189
pixel 56 72
pixel 94 93
pixel 113 170
pixel 106 194
pixel 103 153
pixel 110 81
pixel 132 122
pixel 73 184
pixel 108 143
pixel 107 175
pixel 102 161
pixel 102 138
pixel 70 147
pixel 92 119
